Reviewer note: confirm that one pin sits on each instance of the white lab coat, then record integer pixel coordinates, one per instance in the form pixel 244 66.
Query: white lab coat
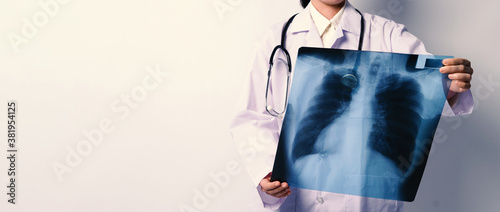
pixel 256 132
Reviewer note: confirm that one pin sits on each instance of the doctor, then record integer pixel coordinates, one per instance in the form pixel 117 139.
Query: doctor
pixel 327 24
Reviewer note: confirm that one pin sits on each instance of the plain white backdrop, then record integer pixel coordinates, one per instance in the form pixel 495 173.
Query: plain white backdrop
pixel 162 77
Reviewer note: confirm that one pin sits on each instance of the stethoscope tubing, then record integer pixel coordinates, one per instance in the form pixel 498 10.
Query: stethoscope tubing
pixel 282 47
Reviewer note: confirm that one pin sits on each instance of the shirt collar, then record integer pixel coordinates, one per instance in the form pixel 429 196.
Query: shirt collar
pixel 321 22
pixel 349 22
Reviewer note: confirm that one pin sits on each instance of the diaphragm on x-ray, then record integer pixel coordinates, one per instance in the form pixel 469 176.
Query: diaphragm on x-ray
pixel 360 123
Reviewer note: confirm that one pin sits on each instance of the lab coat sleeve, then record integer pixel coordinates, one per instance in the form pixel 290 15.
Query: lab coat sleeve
pixel 255 132
pixel 403 41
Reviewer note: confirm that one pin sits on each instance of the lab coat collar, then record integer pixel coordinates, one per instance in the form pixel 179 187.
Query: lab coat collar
pixel 350 21
pixel 304 23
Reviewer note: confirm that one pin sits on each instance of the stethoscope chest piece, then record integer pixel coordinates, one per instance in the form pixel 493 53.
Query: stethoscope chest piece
pixel 349 80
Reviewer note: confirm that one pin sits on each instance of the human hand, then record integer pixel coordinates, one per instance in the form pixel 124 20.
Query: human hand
pixel 275 189
pixel 460 72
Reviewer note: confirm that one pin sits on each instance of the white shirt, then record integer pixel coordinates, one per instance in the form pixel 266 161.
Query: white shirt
pixel 326 28
pixel 256 133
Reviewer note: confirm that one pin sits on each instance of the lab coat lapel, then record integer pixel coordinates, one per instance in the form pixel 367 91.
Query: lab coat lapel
pixel 304 24
pixel 339 33
pixel 351 20
pixel 349 24
pixel 313 38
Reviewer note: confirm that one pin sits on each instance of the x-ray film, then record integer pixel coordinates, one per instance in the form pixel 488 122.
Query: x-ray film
pixel 360 123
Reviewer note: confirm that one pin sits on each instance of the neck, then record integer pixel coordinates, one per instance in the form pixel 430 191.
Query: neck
pixel 329 10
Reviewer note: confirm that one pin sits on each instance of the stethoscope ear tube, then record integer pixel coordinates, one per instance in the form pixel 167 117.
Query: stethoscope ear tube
pixel 362 32
pixel 287 55
pixel 285 29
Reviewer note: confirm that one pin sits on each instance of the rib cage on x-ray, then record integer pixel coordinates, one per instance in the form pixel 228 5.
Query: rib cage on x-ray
pixel 330 102
pixel 393 134
pixel 362 140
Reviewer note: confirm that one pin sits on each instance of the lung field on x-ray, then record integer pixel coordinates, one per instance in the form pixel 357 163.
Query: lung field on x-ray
pixel 331 101
pixel 396 105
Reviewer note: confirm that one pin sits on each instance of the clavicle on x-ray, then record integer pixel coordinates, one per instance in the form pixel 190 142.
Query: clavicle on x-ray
pixel 360 123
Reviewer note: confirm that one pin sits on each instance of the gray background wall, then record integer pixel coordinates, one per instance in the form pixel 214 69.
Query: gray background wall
pixel 76 69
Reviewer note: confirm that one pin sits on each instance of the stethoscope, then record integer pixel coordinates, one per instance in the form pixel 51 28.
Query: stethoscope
pixel 350 80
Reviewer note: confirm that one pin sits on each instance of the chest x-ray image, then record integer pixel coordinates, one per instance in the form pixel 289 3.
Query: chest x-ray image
pixel 360 123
